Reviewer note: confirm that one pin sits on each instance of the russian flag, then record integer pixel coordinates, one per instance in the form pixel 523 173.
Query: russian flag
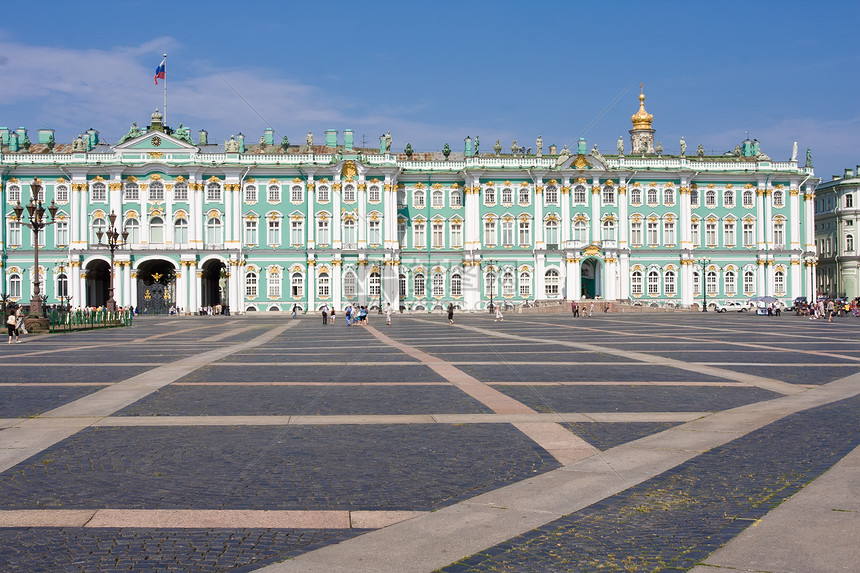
pixel 159 71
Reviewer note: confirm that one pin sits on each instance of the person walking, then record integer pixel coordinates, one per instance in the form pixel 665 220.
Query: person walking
pixel 450 313
pixel 331 316
pixel 12 328
pixel 19 322
pixel 499 314
pixel 325 313
pixel 295 310
pixel 388 314
pixel 591 310
pixel 347 312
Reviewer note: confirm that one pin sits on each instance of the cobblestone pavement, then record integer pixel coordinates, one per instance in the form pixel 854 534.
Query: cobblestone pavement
pixel 384 448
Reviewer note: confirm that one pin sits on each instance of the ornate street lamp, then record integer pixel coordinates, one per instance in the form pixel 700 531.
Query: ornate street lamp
pixel 491 266
pixel 38 221
pixel 113 243
pixel 704 282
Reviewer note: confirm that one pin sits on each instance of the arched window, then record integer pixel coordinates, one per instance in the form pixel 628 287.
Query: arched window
pixel 551 195
pixel 507 196
pixel 524 196
pixel 156 230
pixel 456 198
pixel 778 198
pixel 132 225
pixel 156 191
pixel 99 224
pixel 15 285
pixel 636 283
pixel 131 191
pixel 251 285
pixel 710 198
pixel 749 282
pixel 490 196
pixel 669 196
pixel 636 196
pixel 418 285
pixel 579 195
pixel 525 284
pixel 349 282
pixel 61 193
pixel 98 192
pixel 213 192
pixel 551 282
pixel 669 283
pixel 508 283
pixel 456 284
pixel 728 198
pixel 438 199
pixel 250 193
pixel 748 198
pixel 275 194
pixel 273 283
pixel 62 285
pixel 438 285
pixel 653 282
pixel 213 231
pixel 323 194
pixel 608 195
pixel 729 284
pixel 652 196
pixel 418 198
pixel 552 232
pixel 849 242
pixel 373 194
pixel 401 283
pixel 180 191
pixel 779 282
pixel 401 198
pixel 180 231
pixel 711 282
pixel 490 283
pixel 14 192
pixel 694 197
pixel 349 193
pixel 297 285
pixel 608 230
pixel 323 285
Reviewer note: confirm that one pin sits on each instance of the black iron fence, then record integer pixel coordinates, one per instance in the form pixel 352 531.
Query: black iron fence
pixel 71 320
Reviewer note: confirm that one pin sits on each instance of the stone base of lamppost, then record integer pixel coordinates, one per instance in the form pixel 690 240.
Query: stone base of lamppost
pixel 36 324
pixel 110 305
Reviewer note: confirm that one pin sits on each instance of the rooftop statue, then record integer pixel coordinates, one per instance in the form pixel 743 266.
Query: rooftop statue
pixel 683 146
pixel 133 132
pixel 285 143
pixel 737 150
pixel 514 147
pixel 309 140
pixel 596 154
pixel 562 157
pixel 388 142
pixel 808 157
pixel 539 146
pixel 477 144
pixel 620 146
pixel 700 151
pixel 231 146
pixel 659 149
pixel 183 134
pixel 498 147
pixel 794 152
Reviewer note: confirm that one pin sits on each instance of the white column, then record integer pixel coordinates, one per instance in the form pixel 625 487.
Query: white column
pixel 76 284
pixel 193 287
pixel 362 282
pixel 796 279
pixel 610 274
pixel 624 273
pixel 685 219
pixel 84 216
pixel 312 286
pixel 133 278
pixel 540 269
pixel 564 191
pixel 686 280
pixel 794 222
pixel 574 277
pixel 361 223
pixel 471 277
pixel 472 214
pixel 768 215
pixel 540 240
pixel 622 213
pixel 595 210
pixel 144 214
pixel 336 270
pixel 760 217
pixel 75 225
pixel 311 218
pixel 234 287
pixel 181 287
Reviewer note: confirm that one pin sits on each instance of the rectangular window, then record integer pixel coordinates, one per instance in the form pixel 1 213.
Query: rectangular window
pixel 489 196
pixel 507 233
pixel 61 193
pixel 250 232
pixel 779 235
pixel 669 283
pixel 323 232
pixel 180 192
pixel 374 232
pixel 490 233
pixel 653 232
pixel 525 234
pixel 456 235
pixel 274 194
pixel 274 233
pixel 61 233
pixel 694 234
pixel 213 192
pixel 274 284
pixel 636 233
pixel 297 235
pixel 669 233
pixel 711 234
pixel 438 235
pixel 729 234
pixel 296 194
pixel 749 234
pixel 418 235
pixel 14 234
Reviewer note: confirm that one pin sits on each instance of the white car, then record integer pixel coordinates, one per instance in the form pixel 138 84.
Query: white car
pixel 734 305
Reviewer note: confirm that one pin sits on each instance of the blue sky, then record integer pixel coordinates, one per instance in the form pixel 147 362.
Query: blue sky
pixel 436 72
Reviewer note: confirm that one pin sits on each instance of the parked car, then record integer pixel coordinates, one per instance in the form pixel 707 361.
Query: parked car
pixel 798 303
pixel 733 305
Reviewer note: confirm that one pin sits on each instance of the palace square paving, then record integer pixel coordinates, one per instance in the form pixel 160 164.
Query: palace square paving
pixel 678 441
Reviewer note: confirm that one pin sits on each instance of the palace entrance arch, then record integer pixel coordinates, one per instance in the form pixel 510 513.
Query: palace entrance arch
pixel 591 273
pixel 156 286
pixel 213 284
pixel 97 283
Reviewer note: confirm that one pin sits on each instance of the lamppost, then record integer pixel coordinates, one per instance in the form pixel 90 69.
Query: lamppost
pixel 36 214
pixel 704 282
pixel 113 243
pixel 491 266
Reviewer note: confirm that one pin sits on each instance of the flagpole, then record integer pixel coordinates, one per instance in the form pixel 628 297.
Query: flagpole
pixel 165 89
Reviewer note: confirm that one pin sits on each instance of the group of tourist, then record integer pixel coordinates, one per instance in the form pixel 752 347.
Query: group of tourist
pixel 15 325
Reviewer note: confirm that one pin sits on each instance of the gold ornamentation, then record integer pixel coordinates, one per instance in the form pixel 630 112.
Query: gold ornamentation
pixel 155 155
pixel 592 250
pixel 565 190
pixel 641 119
pixel 349 169
pixel 595 189
pixel 580 162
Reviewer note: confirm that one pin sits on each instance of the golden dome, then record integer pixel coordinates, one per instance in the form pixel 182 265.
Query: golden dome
pixel 642 119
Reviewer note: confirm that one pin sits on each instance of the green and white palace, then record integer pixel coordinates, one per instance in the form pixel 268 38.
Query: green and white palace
pixel 268 226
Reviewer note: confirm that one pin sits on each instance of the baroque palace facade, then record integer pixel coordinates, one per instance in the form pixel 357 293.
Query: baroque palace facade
pixel 269 226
